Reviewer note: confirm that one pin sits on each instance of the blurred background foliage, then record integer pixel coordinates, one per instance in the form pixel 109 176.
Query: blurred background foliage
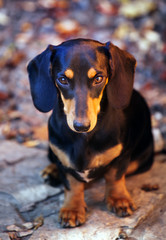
pixel 27 27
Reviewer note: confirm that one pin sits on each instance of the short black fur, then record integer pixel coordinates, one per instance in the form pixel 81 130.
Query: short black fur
pixel 124 115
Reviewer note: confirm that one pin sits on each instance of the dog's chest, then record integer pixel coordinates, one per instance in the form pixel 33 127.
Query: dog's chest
pixel 86 164
pixel 99 162
pixel 85 175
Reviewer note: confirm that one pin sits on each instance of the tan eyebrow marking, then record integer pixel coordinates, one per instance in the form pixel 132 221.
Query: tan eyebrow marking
pixel 69 73
pixel 91 73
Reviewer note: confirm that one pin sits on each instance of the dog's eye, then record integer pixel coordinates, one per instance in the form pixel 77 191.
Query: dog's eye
pixel 63 80
pixel 98 79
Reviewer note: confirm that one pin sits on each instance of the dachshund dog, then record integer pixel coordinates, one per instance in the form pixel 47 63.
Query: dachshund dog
pixel 100 126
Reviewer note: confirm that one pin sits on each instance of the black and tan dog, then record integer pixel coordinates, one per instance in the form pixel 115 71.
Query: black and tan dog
pixel 99 126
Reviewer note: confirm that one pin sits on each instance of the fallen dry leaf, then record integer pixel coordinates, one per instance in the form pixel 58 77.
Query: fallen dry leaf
pixel 67 27
pixel 11 58
pixel 41 132
pixel 38 222
pixel 8 132
pixel 13 236
pixel 134 9
pixel 4 95
pixel 106 7
pixel 1 3
pixel 16 58
pixel 26 26
pixel 63 4
pixel 18 231
pixel 150 187
pixel 14 115
pixel 31 143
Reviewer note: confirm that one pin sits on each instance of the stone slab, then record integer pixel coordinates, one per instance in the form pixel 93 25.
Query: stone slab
pixel 4 236
pixel 103 225
pixel 100 223
pixel 11 152
pixel 154 227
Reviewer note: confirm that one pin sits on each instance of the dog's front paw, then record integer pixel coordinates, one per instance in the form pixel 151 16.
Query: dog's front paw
pixel 123 207
pixel 72 217
pixel 50 175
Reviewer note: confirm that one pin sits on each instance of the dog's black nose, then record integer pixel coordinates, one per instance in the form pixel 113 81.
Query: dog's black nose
pixel 81 126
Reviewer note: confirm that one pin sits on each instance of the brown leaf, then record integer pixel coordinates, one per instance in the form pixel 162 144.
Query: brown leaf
pixel 1 3
pixel 31 143
pixel 28 6
pixel 14 115
pixel 41 132
pixel 106 7
pixel 4 96
pixel 67 27
pixel 63 4
pixel 8 132
pixel 13 236
pixel 11 58
pixel 38 222
pixel 135 9
pixel 16 58
pixel 150 187
pixel 18 231
pixel 26 26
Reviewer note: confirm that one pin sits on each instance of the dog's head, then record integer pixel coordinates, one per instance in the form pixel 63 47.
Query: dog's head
pixel 80 70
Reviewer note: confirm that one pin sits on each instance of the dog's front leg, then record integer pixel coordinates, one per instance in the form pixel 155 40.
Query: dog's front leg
pixel 118 198
pixel 72 213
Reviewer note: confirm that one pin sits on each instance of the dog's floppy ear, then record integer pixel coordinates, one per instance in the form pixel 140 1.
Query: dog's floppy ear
pixel 120 85
pixel 42 87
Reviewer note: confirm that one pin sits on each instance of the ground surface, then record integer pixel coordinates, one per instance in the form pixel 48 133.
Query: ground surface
pixel 27 27
pixel 29 208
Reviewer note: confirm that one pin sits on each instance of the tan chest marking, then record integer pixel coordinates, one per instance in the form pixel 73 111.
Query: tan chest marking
pixel 62 156
pixel 106 157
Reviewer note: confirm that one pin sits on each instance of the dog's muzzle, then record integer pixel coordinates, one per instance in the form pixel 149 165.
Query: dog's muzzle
pixel 81 126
